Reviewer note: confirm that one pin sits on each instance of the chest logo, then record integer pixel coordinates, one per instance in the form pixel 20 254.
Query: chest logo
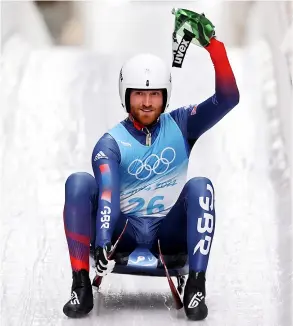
pixel 152 165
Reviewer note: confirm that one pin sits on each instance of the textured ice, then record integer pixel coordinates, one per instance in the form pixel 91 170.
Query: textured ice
pixel 57 104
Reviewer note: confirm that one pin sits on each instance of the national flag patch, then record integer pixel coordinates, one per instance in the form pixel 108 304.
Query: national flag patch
pixel 193 110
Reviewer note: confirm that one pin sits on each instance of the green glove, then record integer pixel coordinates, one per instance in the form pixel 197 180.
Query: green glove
pixel 191 27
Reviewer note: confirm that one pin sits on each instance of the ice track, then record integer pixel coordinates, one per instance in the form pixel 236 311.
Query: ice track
pixel 45 136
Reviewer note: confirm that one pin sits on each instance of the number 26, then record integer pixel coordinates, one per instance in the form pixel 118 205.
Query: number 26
pixel 151 207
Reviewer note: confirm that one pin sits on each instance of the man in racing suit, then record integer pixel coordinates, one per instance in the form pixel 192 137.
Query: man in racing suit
pixel 140 169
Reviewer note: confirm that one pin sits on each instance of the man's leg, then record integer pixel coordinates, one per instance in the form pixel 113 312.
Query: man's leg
pixel 200 222
pixel 80 189
pixel 190 225
pixel 80 211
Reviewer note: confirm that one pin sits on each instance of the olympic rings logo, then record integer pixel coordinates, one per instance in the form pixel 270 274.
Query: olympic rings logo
pixel 153 164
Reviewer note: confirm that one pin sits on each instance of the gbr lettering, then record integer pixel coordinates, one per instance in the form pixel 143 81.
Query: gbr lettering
pixel 105 219
pixel 205 224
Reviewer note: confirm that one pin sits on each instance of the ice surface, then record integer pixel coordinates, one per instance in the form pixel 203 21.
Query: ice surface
pixel 58 102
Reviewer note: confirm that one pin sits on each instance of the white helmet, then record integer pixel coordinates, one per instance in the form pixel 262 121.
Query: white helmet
pixel 144 71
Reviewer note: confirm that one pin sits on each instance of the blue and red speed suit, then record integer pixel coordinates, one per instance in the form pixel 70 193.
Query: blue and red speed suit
pixel 147 184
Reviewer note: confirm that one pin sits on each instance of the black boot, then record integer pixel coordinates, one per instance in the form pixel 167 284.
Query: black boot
pixel 81 302
pixel 194 296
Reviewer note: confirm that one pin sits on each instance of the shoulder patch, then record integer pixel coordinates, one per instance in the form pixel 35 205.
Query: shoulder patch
pixel 193 110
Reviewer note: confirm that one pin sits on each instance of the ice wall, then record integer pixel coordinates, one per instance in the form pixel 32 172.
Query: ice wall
pixel 58 101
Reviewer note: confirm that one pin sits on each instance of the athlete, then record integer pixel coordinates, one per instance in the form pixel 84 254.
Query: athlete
pixel 139 171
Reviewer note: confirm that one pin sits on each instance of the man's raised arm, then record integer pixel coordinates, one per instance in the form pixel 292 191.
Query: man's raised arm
pixel 206 114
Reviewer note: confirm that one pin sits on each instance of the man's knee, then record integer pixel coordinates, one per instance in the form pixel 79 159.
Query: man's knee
pixel 199 186
pixel 79 184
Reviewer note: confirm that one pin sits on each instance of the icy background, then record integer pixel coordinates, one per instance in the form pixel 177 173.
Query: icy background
pixel 57 102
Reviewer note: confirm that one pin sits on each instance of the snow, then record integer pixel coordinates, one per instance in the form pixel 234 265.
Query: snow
pixel 57 103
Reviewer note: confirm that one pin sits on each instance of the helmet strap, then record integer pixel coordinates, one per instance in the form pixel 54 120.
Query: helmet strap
pixel 127 99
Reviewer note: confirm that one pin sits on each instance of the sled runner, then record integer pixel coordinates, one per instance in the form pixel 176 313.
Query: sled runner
pixel 142 262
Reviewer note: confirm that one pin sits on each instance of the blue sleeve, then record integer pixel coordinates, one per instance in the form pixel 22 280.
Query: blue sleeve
pixel 194 120
pixel 105 165
pixel 204 116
